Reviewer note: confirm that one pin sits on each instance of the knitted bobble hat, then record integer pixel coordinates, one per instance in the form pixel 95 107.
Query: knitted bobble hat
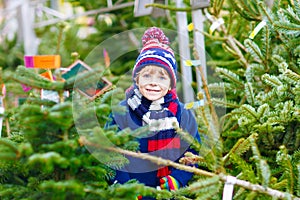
pixel 156 51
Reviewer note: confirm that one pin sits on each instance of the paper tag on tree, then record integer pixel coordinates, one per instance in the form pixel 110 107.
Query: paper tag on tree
pixel 190 27
pixel 194 104
pixel 42 61
pixel 228 188
pixel 216 24
pixel 190 63
pixel 52 95
pixel 257 29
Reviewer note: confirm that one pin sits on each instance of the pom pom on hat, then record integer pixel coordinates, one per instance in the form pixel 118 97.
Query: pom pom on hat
pixel 155 33
pixel 156 51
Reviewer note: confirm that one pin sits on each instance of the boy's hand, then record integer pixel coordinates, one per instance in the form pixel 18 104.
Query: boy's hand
pixel 169 183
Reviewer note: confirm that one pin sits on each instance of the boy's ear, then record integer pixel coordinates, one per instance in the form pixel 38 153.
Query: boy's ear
pixel 136 80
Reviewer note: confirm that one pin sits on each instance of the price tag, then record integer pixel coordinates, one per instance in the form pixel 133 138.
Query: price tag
pixel 190 27
pixel 190 63
pixel 257 29
pixel 194 104
pixel 228 188
pixel 216 24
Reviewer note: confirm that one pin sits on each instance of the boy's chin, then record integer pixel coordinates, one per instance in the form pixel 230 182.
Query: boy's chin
pixel 152 98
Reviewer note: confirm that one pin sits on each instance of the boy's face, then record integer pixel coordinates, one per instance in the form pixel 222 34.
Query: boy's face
pixel 153 82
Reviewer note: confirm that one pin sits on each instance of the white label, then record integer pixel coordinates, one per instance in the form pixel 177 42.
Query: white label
pixel 228 188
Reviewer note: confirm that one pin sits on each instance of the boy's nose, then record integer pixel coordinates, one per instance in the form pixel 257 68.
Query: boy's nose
pixel 153 83
pixel 153 80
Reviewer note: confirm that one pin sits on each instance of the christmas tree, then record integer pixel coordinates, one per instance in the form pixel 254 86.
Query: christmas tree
pixel 61 150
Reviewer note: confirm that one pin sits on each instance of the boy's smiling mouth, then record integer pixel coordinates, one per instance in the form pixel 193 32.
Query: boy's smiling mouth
pixel 153 90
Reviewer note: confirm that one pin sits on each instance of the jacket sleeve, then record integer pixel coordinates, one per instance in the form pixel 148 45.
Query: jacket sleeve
pixel 188 124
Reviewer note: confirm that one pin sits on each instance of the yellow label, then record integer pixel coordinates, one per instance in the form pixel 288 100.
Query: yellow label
pixel 257 29
pixel 188 63
pixel 190 27
pixel 189 105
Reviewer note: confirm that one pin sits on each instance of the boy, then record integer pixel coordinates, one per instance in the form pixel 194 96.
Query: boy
pixel 152 101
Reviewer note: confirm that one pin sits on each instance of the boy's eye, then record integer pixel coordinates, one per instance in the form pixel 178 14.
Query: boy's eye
pixel 146 75
pixel 162 77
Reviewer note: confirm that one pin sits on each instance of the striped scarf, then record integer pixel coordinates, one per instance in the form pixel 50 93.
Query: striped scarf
pixel 162 116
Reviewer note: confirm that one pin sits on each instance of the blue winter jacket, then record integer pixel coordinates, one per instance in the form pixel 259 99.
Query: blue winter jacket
pixel 145 171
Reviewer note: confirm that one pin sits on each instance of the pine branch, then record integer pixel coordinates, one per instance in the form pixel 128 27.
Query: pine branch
pixel 48 161
pixel 212 37
pixel 292 15
pixel 209 192
pixel 247 172
pixel 217 5
pixel 266 39
pixel 240 147
pixel 243 9
pixel 253 71
pixel 254 50
pixel 223 63
pixel 61 187
pixel 231 41
pixel 220 87
pixel 160 161
pixel 292 75
pixel 225 73
pixel 249 93
pixel 8 156
pixel 189 139
pixel 293 44
pixel 280 185
pixel 297 8
pixel 250 111
pixel 197 185
pixel 39 101
pixel 214 128
pixel 284 160
pixel 208 98
pixel 271 80
pixel 270 18
pixel 170 8
pixel 264 170
pixel 287 28
pixel 11 151
pixel 29 77
pixel 263 110
pixel 8 143
pixel 228 49
pixel 225 103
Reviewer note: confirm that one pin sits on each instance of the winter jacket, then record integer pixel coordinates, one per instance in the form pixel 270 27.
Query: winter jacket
pixel 145 171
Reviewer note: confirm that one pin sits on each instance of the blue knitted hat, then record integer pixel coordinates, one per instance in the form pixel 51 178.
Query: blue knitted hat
pixel 156 51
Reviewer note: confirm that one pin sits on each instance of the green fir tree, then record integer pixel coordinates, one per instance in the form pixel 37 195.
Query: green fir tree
pixel 61 150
